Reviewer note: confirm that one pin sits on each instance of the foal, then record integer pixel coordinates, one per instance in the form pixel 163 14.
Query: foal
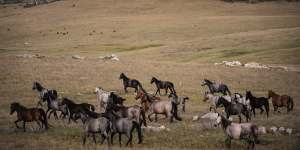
pixel 127 82
pixel 163 85
pixel 281 101
pixel 28 115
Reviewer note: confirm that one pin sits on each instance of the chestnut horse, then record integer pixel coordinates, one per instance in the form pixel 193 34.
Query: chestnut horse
pixel 146 99
pixel 281 101
pixel 28 115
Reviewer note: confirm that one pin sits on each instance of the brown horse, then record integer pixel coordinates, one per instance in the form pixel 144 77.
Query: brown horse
pixel 281 101
pixel 146 99
pixel 28 115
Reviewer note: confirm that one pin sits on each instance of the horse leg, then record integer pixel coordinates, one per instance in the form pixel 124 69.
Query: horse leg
pixel 240 118
pixel 94 138
pixel 55 115
pixel 129 135
pixel 261 110
pixel 112 138
pixel 253 110
pixel 24 124
pixel 16 123
pixel 228 142
pixel 149 116
pixel 155 117
pixel 156 92
pixel 166 91
pixel 120 139
pixel 125 89
pixel 50 114
pixel 84 138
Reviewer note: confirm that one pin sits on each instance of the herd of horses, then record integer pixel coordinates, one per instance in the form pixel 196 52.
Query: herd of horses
pixel 113 117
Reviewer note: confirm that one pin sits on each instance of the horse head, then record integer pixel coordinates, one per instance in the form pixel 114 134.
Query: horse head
pixel 139 95
pixel 13 107
pixel 98 89
pixel 153 80
pixel 122 76
pixel 206 82
pixel 270 94
pixel 37 86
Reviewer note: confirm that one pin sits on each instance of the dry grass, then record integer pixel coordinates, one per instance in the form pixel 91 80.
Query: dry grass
pixel 172 40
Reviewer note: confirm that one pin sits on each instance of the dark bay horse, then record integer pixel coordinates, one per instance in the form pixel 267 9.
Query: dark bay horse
pixel 76 108
pixel 216 87
pixel 44 94
pixel 29 115
pixel 235 109
pixel 163 85
pixel 127 82
pixel 258 102
pixel 281 101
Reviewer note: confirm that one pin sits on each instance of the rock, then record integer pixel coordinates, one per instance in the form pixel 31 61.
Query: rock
pixel 281 129
pixel 255 65
pixel 273 130
pixel 77 57
pixel 262 130
pixel 110 57
pixel 195 118
pixel 289 131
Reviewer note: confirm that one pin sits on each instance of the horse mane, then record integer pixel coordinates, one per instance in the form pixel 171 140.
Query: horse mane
pixel 68 100
pixel 18 105
pixel 208 81
pixel 39 87
pixel 124 76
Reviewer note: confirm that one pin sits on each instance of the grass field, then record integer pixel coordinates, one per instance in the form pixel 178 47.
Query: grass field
pixel 178 40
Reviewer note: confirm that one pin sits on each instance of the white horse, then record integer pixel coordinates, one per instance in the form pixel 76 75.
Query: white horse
pixel 102 97
pixel 214 99
pixel 239 131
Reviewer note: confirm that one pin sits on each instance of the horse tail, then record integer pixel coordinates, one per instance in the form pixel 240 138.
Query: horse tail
pixel 44 117
pixel 172 87
pixel 143 116
pixel 267 106
pixel 139 131
pixel 291 103
pixel 174 111
pixel 227 89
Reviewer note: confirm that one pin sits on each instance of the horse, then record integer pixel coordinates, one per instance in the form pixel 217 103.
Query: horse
pixel 281 101
pixel 216 87
pixel 76 108
pixel 258 102
pixel 239 98
pixel 214 100
pixel 29 115
pixel 235 109
pixel 146 99
pixel 102 97
pixel 44 93
pixel 239 131
pixel 55 105
pixel 100 125
pixel 127 82
pixel 167 108
pixel 163 85
pixel 123 126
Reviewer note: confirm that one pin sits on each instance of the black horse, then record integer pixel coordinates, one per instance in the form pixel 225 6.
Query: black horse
pixel 163 85
pixel 44 94
pixel 216 87
pixel 76 108
pixel 235 109
pixel 258 102
pixel 127 82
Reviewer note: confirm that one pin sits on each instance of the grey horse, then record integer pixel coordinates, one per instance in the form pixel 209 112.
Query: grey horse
pixel 92 126
pixel 239 131
pixel 216 87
